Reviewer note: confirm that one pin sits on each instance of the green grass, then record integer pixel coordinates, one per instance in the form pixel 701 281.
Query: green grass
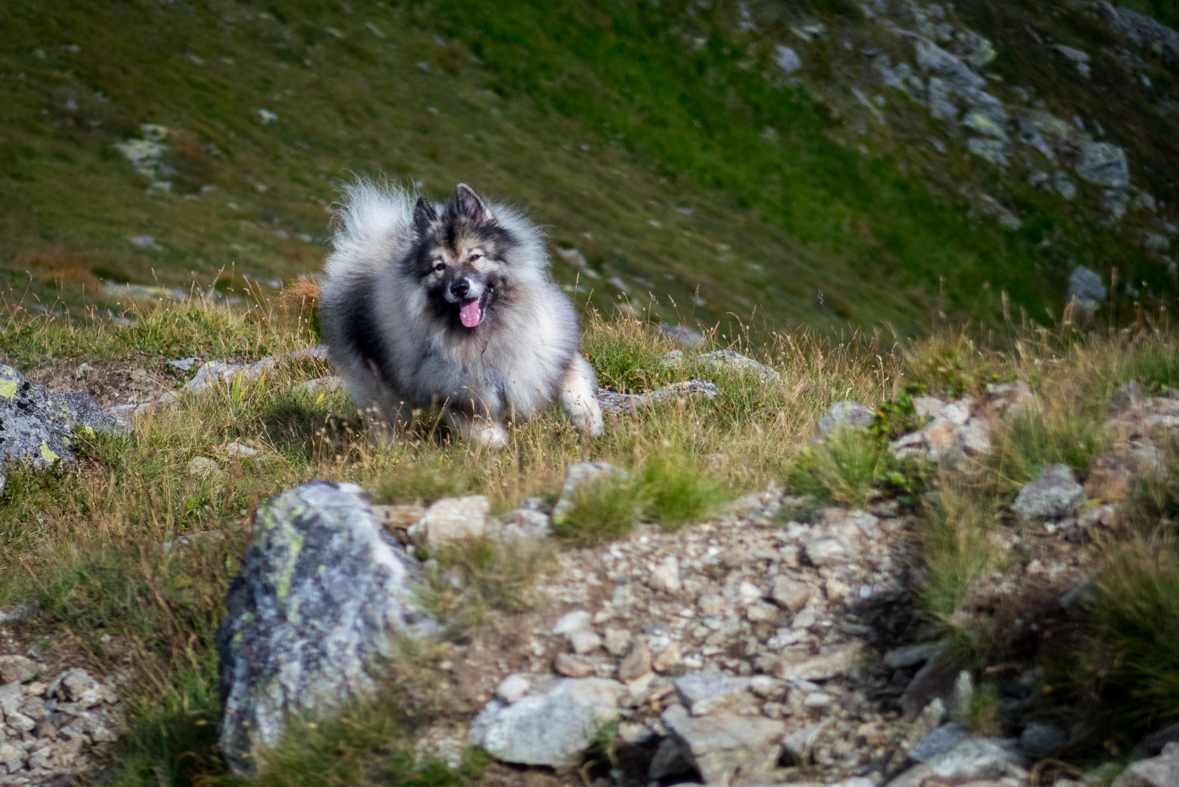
pixel 636 132
pixel 602 510
pixel 676 492
pixel 1033 441
pixel 467 580
pixel 1131 668
pixel 852 468
pixel 365 744
pixel 956 551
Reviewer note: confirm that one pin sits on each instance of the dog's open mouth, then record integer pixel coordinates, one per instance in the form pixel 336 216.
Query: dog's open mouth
pixel 471 312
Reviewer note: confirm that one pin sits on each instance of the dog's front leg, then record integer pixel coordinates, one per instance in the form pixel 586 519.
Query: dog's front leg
pixel 478 429
pixel 579 397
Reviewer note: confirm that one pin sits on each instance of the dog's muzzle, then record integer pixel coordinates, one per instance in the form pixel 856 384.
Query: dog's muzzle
pixel 469 296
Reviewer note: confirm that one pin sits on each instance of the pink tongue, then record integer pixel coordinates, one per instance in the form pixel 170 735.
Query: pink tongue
pixel 471 313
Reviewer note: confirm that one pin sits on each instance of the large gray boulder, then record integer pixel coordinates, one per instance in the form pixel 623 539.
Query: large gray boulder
pixel 37 425
pixel 322 595
pixel 554 728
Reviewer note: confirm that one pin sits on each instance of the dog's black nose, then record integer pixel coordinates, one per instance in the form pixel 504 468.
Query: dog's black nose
pixel 460 288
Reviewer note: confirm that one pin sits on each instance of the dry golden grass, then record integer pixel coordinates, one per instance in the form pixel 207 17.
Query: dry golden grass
pixel 98 549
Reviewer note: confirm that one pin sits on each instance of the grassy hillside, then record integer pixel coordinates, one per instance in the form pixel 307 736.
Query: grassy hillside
pixel 659 140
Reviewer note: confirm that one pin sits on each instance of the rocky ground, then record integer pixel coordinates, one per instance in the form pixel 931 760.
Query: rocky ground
pixel 775 640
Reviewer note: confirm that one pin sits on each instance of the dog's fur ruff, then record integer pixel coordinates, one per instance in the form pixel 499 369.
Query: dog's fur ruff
pixel 398 332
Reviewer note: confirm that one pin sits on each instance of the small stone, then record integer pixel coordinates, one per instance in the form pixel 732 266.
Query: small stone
pixel 452 519
pixel 512 688
pixel 636 664
pixel 727 748
pixel 572 622
pixel 975 760
pixel 10 754
pixel 1039 739
pixel 522 523
pixel 1053 495
pixel 822 667
pixel 584 641
pixel 237 449
pixel 711 604
pixel 748 593
pixel 81 371
pixel 941 740
pixel 553 729
pixel 1104 164
pixel 818 700
pixel 710 690
pixel 910 656
pixel 668 658
pixel 617 641
pixel 789 594
pixel 1009 399
pixel 203 467
pixel 18 668
pixel 830 550
pixel 11 697
pixel 1085 288
pixel 764 686
pixel 844 415
pixel 572 666
pixel 787 59
pixel 666 576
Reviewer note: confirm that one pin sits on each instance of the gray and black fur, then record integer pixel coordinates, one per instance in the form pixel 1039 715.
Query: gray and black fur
pixel 451 305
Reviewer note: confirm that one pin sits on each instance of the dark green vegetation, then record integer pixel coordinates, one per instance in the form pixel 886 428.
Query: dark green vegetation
pixel 665 145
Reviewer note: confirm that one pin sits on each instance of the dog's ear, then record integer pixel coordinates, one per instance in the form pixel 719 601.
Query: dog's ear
pixel 471 205
pixel 423 215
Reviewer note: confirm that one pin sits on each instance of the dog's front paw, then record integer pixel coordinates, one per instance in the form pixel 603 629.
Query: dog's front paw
pixel 489 435
pixel 587 417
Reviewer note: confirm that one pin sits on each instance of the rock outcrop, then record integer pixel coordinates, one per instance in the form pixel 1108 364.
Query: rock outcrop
pixel 37 426
pixel 321 596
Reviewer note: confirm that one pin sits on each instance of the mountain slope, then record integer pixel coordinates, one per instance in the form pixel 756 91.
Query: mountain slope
pixel 666 143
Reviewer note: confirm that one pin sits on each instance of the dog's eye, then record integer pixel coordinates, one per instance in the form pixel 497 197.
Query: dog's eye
pixel 475 256
pixel 439 266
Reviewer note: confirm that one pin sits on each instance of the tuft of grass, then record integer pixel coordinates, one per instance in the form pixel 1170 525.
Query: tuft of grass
pixel 982 717
pixel 602 510
pixel 422 482
pixel 1132 668
pixel 364 744
pixel 676 492
pixel 627 356
pixel 851 468
pixel 468 579
pixel 1033 440
pixel 957 552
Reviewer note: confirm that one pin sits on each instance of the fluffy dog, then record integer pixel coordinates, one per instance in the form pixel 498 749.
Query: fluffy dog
pixel 451 305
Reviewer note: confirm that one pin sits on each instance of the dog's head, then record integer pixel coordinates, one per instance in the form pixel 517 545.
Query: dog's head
pixel 461 258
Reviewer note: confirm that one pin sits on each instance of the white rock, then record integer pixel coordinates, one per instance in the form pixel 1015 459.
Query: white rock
pixel 666 576
pixel 512 688
pixel 584 641
pixel 572 622
pixel 452 519
pixel 552 729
